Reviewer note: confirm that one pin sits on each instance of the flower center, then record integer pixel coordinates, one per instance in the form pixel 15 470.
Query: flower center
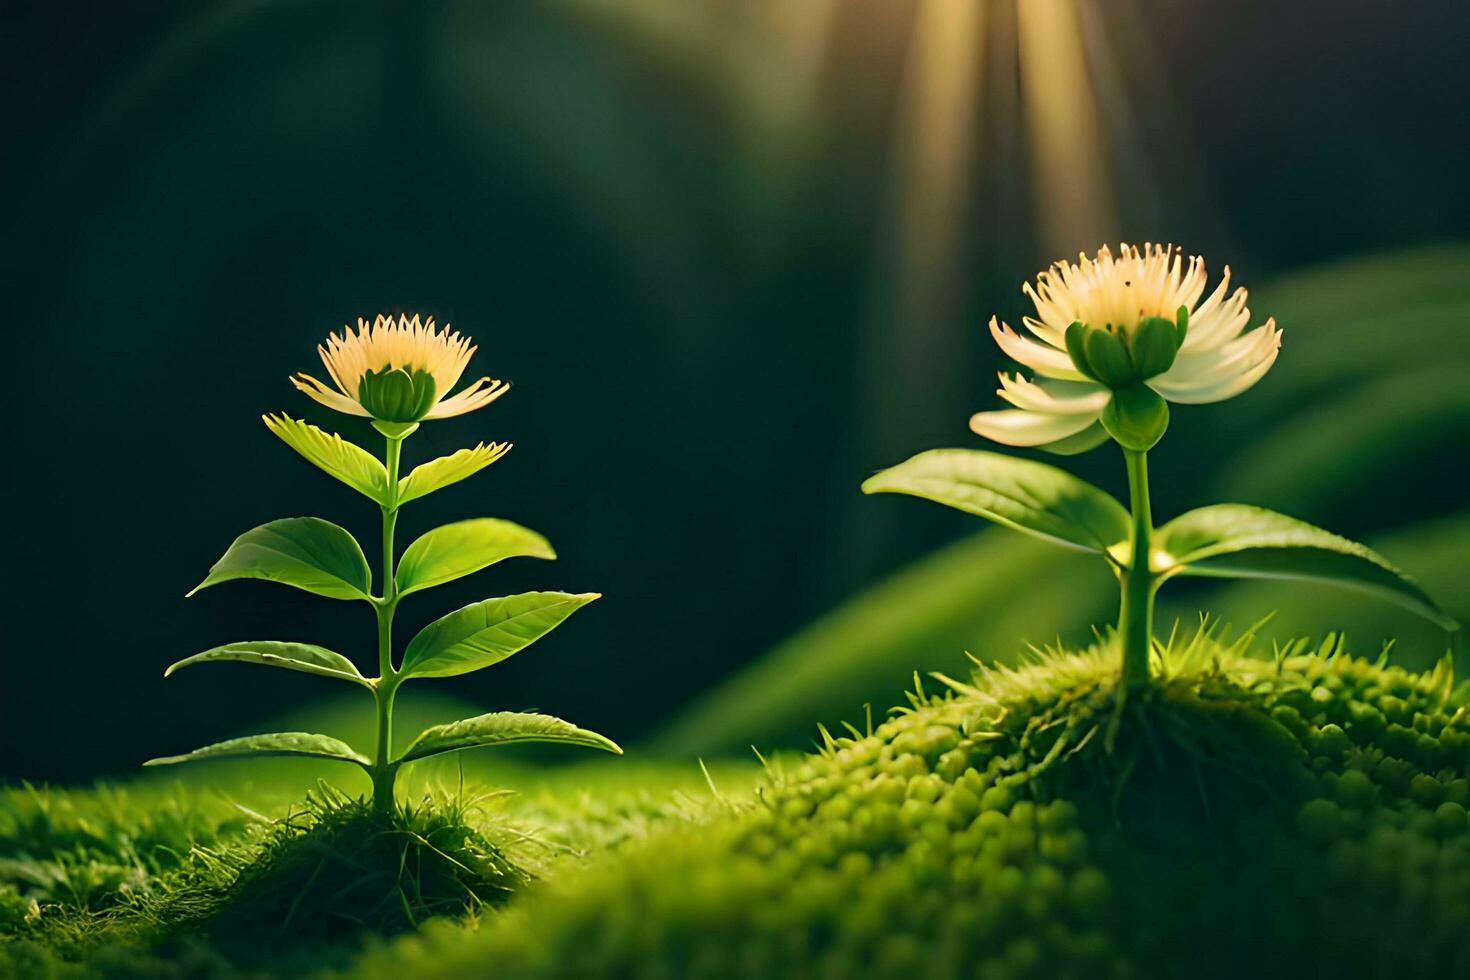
pixel 396 394
pixel 1121 355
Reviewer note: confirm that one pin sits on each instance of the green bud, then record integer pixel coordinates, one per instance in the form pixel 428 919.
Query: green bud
pixel 1136 417
pixel 1108 358
pixel 1122 356
pixel 1075 336
pixel 1153 345
pixel 396 395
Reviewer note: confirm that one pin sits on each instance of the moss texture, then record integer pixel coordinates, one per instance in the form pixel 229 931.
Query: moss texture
pixel 1303 814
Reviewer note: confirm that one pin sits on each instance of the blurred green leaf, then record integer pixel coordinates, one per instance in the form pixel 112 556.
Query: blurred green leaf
pixel 1030 497
pixel 307 552
pixel 455 550
pixel 439 473
pixel 502 728
pixel 1370 284
pixel 279 653
pixel 1239 541
pixel 1315 458
pixel 349 463
pixel 485 633
pixel 280 743
pixel 990 594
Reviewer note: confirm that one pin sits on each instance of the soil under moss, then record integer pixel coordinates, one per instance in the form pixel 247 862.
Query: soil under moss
pixel 1302 815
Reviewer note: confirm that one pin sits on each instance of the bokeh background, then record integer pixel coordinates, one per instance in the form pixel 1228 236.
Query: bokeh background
pixel 734 256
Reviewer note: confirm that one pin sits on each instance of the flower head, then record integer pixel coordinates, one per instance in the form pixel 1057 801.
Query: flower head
pixel 1113 339
pixel 398 371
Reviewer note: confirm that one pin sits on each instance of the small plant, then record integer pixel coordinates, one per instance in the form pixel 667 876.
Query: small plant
pixel 397 374
pixel 1113 342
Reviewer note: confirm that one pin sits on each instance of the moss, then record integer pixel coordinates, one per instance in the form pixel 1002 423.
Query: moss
pixel 1299 815
pixel 298 895
pixel 183 908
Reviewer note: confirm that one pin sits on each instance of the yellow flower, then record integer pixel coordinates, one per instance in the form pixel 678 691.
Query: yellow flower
pixel 398 371
pixel 1116 330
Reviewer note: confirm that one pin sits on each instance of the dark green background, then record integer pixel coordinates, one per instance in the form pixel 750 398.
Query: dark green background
pixel 194 194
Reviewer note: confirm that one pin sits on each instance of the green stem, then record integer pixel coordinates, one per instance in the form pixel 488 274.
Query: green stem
pixel 384 772
pixel 1136 616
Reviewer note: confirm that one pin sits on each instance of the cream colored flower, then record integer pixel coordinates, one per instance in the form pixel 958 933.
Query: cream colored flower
pixel 1105 326
pixel 399 371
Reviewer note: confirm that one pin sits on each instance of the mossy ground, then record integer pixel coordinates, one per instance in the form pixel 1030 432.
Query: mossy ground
pixel 1295 814
pixel 170 879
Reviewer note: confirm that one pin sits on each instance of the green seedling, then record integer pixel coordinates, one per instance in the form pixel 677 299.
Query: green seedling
pixel 396 373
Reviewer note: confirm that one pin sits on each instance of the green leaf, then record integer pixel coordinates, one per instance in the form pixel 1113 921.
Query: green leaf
pixel 306 552
pixel 278 653
pixel 439 473
pixel 1435 550
pixel 1136 416
pixel 1318 460
pixel 349 463
pixel 487 632
pixel 281 743
pixel 1239 541
pixel 1030 497
pixel 455 550
pixel 502 728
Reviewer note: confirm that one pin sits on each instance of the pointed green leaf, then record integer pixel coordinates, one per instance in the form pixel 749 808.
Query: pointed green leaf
pixel 1136 416
pixel 1030 497
pixel 502 728
pixel 487 632
pixel 439 473
pixel 306 552
pixel 349 463
pixel 278 653
pixel 455 550
pixel 1239 541
pixel 301 744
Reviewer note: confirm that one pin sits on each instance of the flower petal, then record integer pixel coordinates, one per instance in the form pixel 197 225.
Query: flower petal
pixel 474 397
pixel 1052 396
pixel 1017 428
pixel 1252 358
pixel 1201 368
pixel 326 396
pixel 1040 358
pixel 1216 326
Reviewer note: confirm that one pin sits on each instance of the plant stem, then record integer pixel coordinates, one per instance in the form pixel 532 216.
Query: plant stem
pixel 1136 616
pixel 384 772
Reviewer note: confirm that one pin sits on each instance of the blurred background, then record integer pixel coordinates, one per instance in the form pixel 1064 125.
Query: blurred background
pixel 734 256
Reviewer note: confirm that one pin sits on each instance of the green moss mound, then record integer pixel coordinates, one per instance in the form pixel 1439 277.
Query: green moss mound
pixel 1298 815
pixel 299 895
pixel 338 870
